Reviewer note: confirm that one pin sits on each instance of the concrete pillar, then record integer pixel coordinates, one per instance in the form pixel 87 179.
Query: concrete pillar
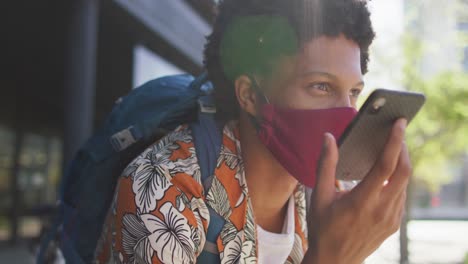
pixel 80 84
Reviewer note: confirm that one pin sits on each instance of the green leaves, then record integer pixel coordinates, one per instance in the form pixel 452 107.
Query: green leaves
pixel 439 133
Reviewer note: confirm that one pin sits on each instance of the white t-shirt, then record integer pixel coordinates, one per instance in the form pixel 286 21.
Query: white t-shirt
pixel 273 247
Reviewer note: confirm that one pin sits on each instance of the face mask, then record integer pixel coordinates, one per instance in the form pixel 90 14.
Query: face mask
pixel 295 137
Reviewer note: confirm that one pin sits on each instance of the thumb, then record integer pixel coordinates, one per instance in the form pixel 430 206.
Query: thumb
pixel 325 191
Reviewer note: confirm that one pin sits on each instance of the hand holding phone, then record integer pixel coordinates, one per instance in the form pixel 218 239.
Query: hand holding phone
pixel 360 220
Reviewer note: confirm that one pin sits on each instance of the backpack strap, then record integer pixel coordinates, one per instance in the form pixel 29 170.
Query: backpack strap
pixel 207 134
pixel 208 141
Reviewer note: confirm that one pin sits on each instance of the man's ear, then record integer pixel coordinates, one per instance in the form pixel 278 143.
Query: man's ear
pixel 246 95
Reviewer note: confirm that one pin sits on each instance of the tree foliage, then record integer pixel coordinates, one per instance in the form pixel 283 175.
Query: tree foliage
pixel 439 133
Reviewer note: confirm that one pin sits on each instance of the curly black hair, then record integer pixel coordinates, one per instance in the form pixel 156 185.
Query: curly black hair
pixel 307 19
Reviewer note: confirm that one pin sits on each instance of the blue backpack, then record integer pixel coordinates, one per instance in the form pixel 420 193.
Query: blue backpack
pixel 139 119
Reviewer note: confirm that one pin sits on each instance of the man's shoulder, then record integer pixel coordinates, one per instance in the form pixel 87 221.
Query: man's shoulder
pixel 171 154
pixel 178 140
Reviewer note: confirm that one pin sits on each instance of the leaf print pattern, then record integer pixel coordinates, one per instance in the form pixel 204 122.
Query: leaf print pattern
pixel 197 204
pixel 240 176
pixel 159 213
pixel 150 184
pixel 135 239
pixel 171 237
pixel 230 158
pixel 297 253
pixel 200 211
pixel 218 200
pixel 182 198
pixel 240 200
pixel 189 166
pixel 228 233
pixel 238 251
pixel 235 163
pixel 231 131
pixel 246 250
pixel 159 152
pixel 196 239
pixel 300 204
pixel 233 250
pixel 129 171
pixel 168 144
pixel 250 229
pixel 143 252
pixel 180 205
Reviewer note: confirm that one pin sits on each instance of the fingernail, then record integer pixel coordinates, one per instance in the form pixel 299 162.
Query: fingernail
pixel 403 124
pixel 326 139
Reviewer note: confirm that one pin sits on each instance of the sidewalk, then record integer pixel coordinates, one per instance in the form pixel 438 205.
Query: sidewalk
pixel 431 242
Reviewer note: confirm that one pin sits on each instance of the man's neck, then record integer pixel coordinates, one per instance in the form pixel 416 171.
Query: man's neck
pixel 270 185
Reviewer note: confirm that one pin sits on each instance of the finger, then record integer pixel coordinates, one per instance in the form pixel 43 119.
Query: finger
pixel 402 204
pixel 324 192
pixel 400 177
pixel 340 194
pixel 387 162
pixel 400 208
pixel 394 208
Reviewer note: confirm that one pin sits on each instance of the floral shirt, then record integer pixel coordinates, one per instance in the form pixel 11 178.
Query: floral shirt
pixel 160 211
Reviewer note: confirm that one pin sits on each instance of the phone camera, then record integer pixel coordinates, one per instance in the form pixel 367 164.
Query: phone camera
pixel 377 105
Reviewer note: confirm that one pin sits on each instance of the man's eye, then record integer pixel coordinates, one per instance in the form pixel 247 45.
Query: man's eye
pixel 325 87
pixel 355 92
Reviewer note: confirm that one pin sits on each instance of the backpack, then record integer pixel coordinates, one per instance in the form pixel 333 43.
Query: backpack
pixel 139 119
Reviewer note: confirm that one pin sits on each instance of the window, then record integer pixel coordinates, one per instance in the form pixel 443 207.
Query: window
pixel 148 65
pixel 37 179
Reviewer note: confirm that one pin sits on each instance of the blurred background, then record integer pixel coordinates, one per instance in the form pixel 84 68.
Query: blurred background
pixel 65 63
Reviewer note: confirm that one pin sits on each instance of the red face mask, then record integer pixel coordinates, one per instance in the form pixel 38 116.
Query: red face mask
pixel 295 137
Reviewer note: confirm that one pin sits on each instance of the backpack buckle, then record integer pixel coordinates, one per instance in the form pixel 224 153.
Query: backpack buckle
pixel 123 139
pixel 206 106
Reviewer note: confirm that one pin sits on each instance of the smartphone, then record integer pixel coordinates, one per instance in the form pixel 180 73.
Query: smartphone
pixel 365 137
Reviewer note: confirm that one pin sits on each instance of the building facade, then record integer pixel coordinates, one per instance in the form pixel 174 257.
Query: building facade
pixel 64 63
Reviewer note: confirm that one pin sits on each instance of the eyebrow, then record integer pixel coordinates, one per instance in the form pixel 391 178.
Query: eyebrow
pixel 330 76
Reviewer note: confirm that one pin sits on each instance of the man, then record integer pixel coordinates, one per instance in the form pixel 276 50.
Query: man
pixel 285 72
